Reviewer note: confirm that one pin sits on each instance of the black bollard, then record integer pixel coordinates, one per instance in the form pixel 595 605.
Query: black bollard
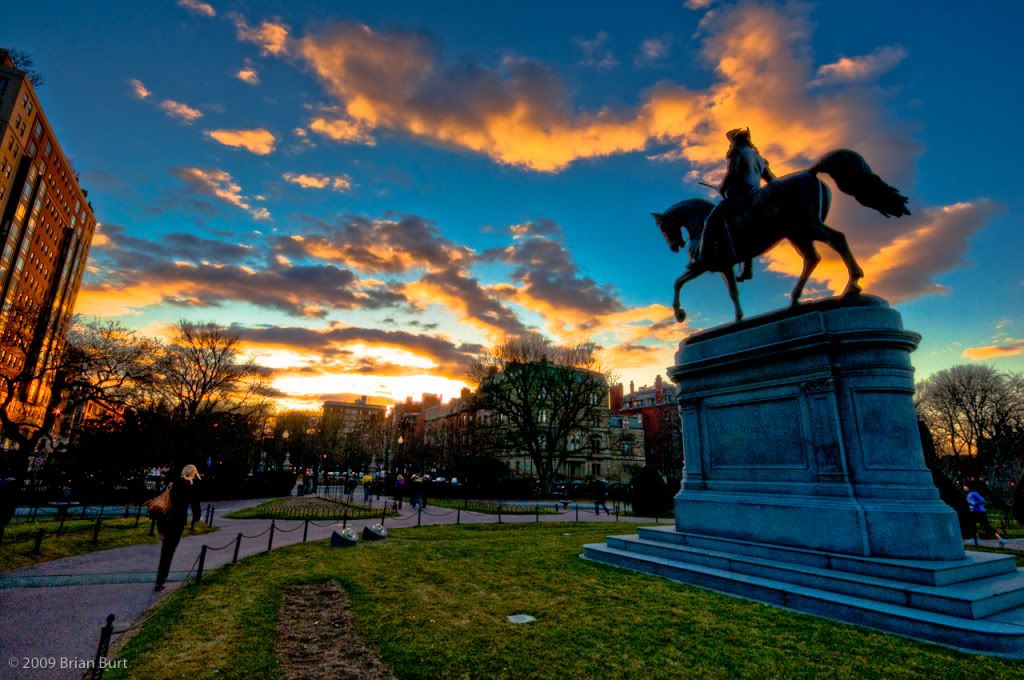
pixel 202 563
pixel 305 531
pixel 270 541
pixel 238 544
pixel 577 512
pixel 344 520
pixel 419 515
pixel 458 516
pixel 103 646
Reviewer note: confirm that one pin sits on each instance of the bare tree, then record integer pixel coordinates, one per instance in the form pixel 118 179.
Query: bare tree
pixel 202 372
pixel 968 403
pixel 541 394
pixel 23 62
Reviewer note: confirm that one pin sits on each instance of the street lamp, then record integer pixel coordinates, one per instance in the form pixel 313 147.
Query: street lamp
pixel 287 465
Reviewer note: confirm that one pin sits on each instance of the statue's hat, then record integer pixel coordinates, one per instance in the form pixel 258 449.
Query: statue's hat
pixel 733 134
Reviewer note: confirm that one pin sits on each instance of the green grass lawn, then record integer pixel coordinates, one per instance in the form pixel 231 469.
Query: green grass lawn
pixel 307 507
pixel 433 602
pixel 492 507
pixel 75 539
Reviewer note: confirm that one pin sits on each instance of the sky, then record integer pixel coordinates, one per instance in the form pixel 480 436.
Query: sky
pixel 371 194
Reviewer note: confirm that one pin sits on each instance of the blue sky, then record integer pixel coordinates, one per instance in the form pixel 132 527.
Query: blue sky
pixel 490 169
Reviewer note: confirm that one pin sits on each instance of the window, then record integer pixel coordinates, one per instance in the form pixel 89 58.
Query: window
pixel 595 469
pixel 48 149
pixel 627 449
pixel 37 131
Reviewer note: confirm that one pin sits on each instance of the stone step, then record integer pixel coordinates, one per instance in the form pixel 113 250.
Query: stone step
pixel 967 599
pixel 975 565
pixel 1002 634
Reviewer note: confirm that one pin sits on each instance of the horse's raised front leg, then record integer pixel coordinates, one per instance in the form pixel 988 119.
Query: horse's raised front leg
pixel 837 240
pixel 692 272
pixel 734 292
pixel 811 260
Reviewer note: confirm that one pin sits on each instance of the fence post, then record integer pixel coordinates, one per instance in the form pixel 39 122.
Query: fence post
pixel 616 512
pixel 61 527
pixel 103 646
pixel 270 541
pixel 96 530
pixel 202 562
pixel 305 531
pixel 458 517
pixel 212 509
pixel 138 515
pixel 499 512
pixel 383 514
pixel 344 520
pixel 39 543
pixel 577 512
pixel 419 515
pixel 238 544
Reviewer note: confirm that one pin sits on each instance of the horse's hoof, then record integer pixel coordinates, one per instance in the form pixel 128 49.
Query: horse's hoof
pixel 794 302
pixel 680 314
pixel 852 289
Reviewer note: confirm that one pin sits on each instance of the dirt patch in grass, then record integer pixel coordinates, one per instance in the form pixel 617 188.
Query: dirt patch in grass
pixel 317 639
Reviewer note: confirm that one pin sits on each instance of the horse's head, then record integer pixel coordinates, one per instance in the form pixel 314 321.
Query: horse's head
pixel 689 214
pixel 672 232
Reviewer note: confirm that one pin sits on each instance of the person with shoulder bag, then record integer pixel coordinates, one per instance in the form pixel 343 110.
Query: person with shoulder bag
pixel 177 499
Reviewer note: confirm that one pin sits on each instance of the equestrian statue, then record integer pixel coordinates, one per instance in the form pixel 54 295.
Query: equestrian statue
pixel 752 218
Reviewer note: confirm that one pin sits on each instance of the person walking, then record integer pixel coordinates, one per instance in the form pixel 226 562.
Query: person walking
pixel 399 490
pixel 600 498
pixel 978 514
pixel 184 495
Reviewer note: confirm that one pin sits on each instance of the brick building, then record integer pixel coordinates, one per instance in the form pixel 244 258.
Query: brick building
pixel 657 408
pixel 46 228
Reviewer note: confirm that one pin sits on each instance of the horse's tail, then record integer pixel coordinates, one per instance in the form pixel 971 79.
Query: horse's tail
pixel 854 176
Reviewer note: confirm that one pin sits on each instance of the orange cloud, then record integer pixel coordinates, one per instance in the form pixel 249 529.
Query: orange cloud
pixel 198 7
pixel 220 184
pixel 138 89
pixel 317 181
pixel 270 36
pixel 850 69
pixel 248 75
pixel 179 110
pixel 259 141
pixel 341 130
pixel 994 351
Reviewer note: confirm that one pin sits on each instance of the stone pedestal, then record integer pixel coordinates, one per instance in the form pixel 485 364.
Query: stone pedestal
pixel 806 486
pixel 799 429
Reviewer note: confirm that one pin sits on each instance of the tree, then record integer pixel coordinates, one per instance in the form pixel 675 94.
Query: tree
pixel 23 62
pixel 541 394
pixel 968 403
pixel 100 362
pixel 202 371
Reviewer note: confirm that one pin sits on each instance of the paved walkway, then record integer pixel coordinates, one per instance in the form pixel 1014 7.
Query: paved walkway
pixel 56 609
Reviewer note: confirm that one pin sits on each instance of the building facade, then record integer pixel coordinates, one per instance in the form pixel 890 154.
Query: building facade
pixel 46 228
pixel 352 416
pixel 657 408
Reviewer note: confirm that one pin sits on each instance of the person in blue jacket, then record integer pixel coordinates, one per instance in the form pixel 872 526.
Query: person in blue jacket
pixel 978 514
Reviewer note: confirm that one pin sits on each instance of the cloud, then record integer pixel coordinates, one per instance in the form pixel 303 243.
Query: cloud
pixel 317 181
pixel 654 49
pixel 198 7
pixel 377 246
pixel 1009 349
pixel 342 130
pixel 179 110
pixel 259 141
pixel 247 74
pixel 271 35
pixel 181 269
pixel 138 89
pixel 550 281
pixel 698 5
pixel 219 184
pixel 594 51
pixel 866 67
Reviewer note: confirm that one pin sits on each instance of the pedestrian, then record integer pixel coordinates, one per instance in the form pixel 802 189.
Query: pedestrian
pixel 399 489
pixel 184 494
pixel 367 487
pixel 600 498
pixel 978 514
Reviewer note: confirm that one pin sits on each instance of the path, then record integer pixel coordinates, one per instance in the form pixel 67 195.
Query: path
pixel 56 609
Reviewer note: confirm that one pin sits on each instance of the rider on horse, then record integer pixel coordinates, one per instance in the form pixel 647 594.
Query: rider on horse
pixel 746 170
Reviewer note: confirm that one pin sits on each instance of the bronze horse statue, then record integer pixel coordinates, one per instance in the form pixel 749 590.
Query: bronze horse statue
pixel 792 207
